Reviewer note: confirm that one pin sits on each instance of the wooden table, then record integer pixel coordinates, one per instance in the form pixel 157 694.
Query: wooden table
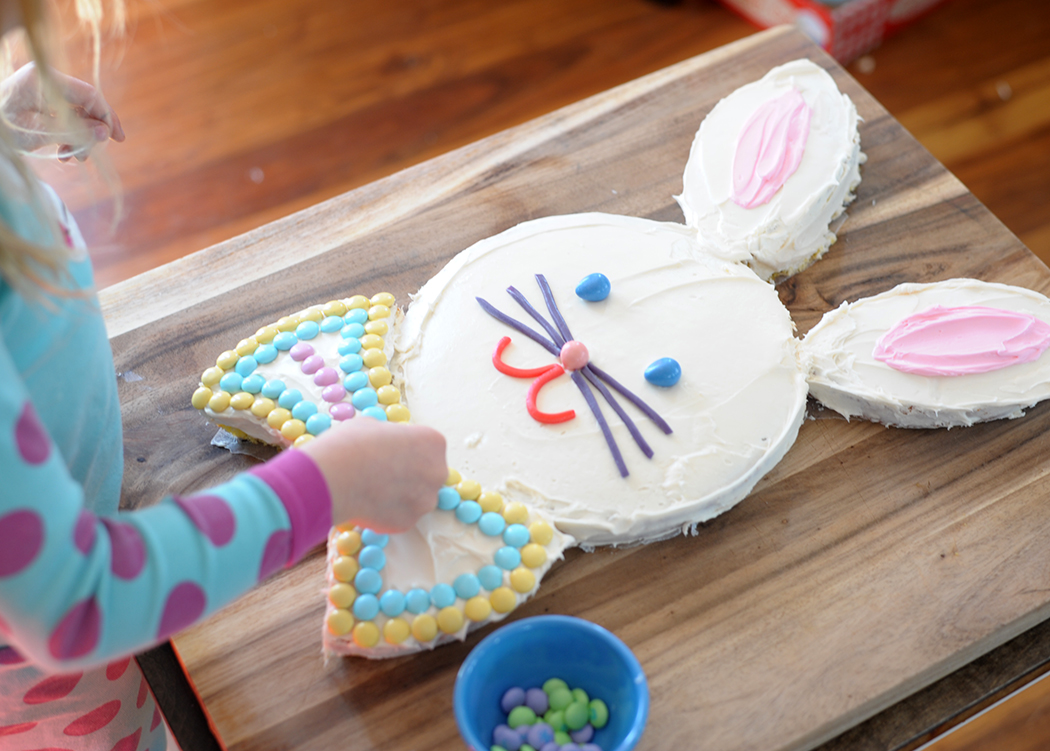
pixel 875 585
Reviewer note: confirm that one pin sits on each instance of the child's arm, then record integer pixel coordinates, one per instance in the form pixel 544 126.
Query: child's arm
pixel 78 590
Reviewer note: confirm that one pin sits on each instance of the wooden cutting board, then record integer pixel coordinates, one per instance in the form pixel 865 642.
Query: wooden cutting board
pixel 869 563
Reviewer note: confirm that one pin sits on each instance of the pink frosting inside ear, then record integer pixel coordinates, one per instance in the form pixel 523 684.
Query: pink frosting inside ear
pixel 770 149
pixel 961 341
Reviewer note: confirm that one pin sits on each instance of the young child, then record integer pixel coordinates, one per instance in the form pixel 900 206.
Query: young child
pixel 82 585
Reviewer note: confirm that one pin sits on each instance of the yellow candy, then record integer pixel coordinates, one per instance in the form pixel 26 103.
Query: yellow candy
pixel 388 394
pixel 266 334
pixel 453 477
pixel 490 500
pixel 227 359
pixel 246 346
pixel 371 341
pixel 348 543
pixel 450 619
pixel 311 314
pixel 211 376
pixel 379 328
pixel 344 568
pixel 278 417
pixel 219 401
pixel 522 580
pixel 503 600
pixel 396 630
pixel 340 622
pixel 302 440
pixel 293 429
pixel 469 490
pixel 382 298
pixel 379 377
pixel 373 358
pixel 358 301
pixel 342 595
pixel 287 323
pixel 242 400
pixel 477 608
pixel 516 513
pixel 377 312
pixel 397 413
pixel 262 406
pixel 424 627
pixel 366 634
pixel 334 308
pixel 533 555
pixel 200 397
pixel 541 533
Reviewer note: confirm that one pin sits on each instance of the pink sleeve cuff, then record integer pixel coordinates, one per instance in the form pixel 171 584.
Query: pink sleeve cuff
pixel 297 481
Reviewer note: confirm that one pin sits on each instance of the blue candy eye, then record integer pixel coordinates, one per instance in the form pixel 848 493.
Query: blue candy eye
pixel 663 372
pixel 594 287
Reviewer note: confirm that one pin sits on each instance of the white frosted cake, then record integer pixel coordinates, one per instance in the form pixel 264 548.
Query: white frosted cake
pixel 772 167
pixel 946 354
pixel 730 417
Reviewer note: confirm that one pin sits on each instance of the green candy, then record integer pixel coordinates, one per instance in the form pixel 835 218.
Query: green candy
pixel 561 737
pixel 497 748
pixel 599 713
pixel 521 716
pixel 525 747
pixel 555 718
pixel 579 695
pixel 552 683
pixel 560 698
pixel 576 715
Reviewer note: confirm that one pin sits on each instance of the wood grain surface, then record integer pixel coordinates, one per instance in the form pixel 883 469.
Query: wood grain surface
pixel 869 564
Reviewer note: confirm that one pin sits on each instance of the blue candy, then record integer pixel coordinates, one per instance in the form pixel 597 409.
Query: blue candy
pixel 307 330
pixel 594 287
pixel 417 600
pixel 355 381
pixel 516 535
pixel 285 340
pixel 507 558
pixel 448 498
pixel 304 410
pixel 392 603
pixel 253 384
pixel 491 577
pixel 231 382
pixel 466 586
pixel 290 398
pixel 368 581
pixel 442 595
pixel 350 347
pixel 353 330
pixel 273 389
pixel 468 512
pixel 492 524
pixel 265 353
pixel 371 537
pixel 351 364
pixel 331 324
pixel 357 315
pixel 663 372
pixel 364 398
pixel 246 366
pixel 375 412
pixel 366 607
pixel 316 423
pixel 373 557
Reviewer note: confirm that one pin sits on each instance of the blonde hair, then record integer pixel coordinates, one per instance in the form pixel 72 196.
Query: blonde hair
pixel 30 267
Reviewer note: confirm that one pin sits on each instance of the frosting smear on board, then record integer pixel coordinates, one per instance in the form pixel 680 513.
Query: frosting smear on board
pixel 733 411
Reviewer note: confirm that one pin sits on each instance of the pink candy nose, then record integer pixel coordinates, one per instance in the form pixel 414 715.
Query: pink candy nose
pixel 574 355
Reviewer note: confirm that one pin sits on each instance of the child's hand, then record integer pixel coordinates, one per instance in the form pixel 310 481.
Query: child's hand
pixel 380 475
pixel 34 125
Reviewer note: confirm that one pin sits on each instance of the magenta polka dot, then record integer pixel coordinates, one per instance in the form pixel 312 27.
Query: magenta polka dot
pixel 334 393
pixel 326 377
pixel 184 605
pixel 78 631
pixel 22 727
pixel 94 720
pixel 116 669
pixel 52 688
pixel 301 351
pixel 276 553
pixel 31 438
pixel 129 743
pixel 342 411
pixel 127 548
pixel 312 364
pixel 84 531
pixel 143 693
pixel 212 515
pixel 10 656
pixel 156 719
pixel 21 537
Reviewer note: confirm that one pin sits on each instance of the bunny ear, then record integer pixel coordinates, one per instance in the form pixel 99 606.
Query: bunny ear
pixel 771 168
pixel 470 562
pixel 946 354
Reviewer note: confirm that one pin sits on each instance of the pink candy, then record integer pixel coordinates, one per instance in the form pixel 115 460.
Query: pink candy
pixel 574 355
pixel 301 351
pixel 342 411
pixel 326 377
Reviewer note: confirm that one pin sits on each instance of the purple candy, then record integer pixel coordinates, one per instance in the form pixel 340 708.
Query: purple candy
pixel 590 747
pixel 326 377
pixel 506 737
pixel 570 747
pixel 312 364
pixel 513 697
pixel 540 734
pixel 583 735
pixel 552 746
pixel 342 411
pixel 536 700
pixel 301 351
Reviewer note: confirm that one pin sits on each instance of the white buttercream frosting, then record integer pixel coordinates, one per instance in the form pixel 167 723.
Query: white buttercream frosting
pixel 734 413
pixel 793 229
pixel 844 375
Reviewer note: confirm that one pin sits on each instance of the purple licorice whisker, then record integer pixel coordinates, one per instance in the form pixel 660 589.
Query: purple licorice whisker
pixel 553 332
pixel 578 379
pixel 518 326
pixel 631 397
pixel 552 306
pixel 631 427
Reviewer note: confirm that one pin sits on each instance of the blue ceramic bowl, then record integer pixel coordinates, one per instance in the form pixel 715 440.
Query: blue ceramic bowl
pixel 528 652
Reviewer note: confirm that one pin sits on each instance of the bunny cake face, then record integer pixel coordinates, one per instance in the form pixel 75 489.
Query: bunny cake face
pixel 947 354
pixel 534 418
pixel 771 167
